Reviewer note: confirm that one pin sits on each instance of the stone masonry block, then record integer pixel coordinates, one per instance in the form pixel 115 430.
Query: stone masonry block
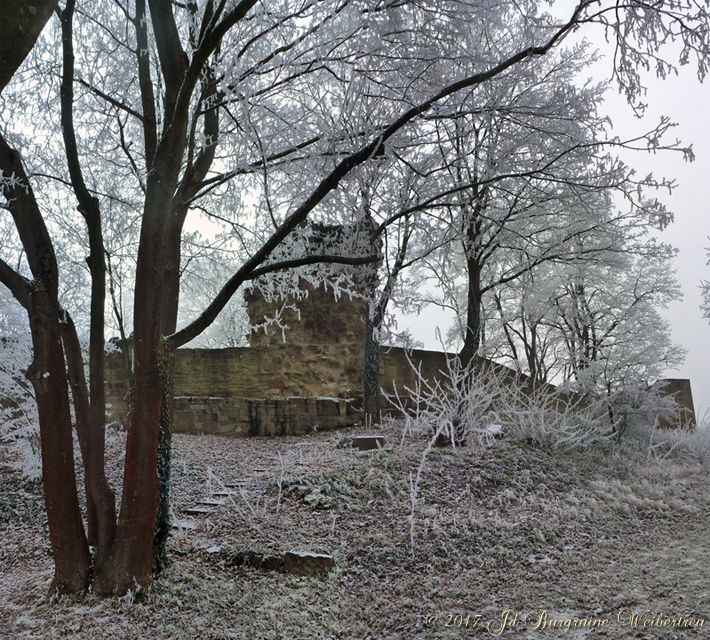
pixel 368 443
pixel 301 563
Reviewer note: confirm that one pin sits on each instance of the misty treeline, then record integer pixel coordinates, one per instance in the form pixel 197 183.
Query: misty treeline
pixel 157 157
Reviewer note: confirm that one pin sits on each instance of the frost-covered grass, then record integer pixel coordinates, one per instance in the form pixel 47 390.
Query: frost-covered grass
pixel 693 445
pixel 503 523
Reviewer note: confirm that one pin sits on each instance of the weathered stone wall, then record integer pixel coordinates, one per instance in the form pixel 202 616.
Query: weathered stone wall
pixel 240 417
pixel 278 371
pixel 293 388
pixel 321 320
pixel 208 376
pixel 680 389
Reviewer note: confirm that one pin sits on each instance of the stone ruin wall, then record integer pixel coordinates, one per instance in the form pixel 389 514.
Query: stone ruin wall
pixel 279 389
pixel 290 389
pixel 680 389
pixel 311 380
pixel 322 319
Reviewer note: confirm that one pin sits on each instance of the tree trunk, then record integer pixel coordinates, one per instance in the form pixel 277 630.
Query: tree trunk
pixel 168 323
pixel 472 339
pixel 371 372
pixel 100 499
pixel 47 374
pixel 22 24
pixel 90 409
pixel 371 361
pixel 131 560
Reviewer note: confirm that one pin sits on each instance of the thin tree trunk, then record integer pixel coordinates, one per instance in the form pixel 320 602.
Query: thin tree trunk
pixel 371 372
pixel 91 409
pixel 100 498
pixel 371 360
pixel 472 339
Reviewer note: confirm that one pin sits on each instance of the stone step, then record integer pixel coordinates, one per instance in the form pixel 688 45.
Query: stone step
pixel 184 524
pixel 298 563
pixel 195 511
pixel 302 563
pixel 211 502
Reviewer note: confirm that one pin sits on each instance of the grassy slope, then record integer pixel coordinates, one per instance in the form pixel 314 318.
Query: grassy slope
pixel 505 527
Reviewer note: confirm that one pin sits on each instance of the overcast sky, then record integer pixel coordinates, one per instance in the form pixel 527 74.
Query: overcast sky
pixel 686 102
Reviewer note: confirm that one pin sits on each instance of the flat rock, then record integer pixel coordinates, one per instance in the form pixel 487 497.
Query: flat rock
pixel 195 511
pixel 368 443
pixel 301 563
pixel 212 502
pixel 184 524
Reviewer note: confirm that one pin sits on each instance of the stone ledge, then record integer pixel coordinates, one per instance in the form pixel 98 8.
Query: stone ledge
pixel 241 417
pixel 297 563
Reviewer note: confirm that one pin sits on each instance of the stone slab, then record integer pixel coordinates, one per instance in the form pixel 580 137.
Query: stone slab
pixel 301 563
pixel 368 443
pixel 266 562
pixel 195 511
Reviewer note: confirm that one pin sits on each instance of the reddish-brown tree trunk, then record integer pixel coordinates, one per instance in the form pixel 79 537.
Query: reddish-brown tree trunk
pixel 131 560
pixel 47 374
pixel 48 377
pixel 100 499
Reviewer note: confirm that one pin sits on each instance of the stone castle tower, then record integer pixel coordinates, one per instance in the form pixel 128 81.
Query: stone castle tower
pixel 320 319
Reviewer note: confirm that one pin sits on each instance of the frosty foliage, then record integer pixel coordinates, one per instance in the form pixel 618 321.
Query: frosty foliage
pixel 476 404
pixel 446 409
pixel 339 75
pixel 330 242
pixel 594 324
pixel 705 292
pixel 479 403
pixel 259 116
pixel 19 422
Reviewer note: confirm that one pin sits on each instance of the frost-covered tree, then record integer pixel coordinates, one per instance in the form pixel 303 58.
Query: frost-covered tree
pixel 159 110
pixel 516 184
pixel 604 335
